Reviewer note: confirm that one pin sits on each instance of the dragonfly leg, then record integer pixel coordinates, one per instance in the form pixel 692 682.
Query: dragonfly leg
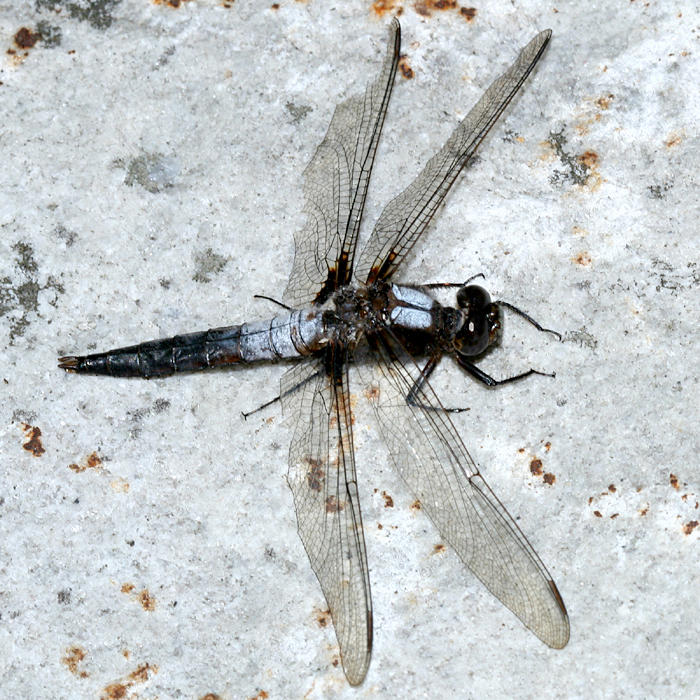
pixel 529 319
pixel 274 301
pixel 279 396
pixel 487 379
pixel 437 285
pixel 412 396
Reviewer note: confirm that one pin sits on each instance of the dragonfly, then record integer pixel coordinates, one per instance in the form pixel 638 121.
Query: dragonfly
pixel 337 306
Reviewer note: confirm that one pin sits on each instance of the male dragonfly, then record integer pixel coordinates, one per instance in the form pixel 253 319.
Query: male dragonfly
pixel 335 303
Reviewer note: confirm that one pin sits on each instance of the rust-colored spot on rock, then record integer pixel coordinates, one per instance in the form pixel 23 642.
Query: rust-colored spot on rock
pixel 74 655
pixel 333 505
pixel 92 461
pixel 439 548
pixel 323 617
pixel 405 68
pixel 589 159
pixel 612 488
pixel 614 515
pixel 415 505
pixel 548 446
pixel 262 695
pixel 170 3
pixel 315 475
pixel 388 500
pixel 468 13
pixel 212 696
pixel 604 102
pixel 275 6
pixel 120 485
pixel 383 7
pixel 127 587
pixel 644 511
pixel 689 527
pixel 25 38
pixel 583 258
pixel 597 514
pixel 673 140
pixel 33 444
pixel 549 478
pixel 673 479
pixel 120 688
pixel 536 467
pixel 148 602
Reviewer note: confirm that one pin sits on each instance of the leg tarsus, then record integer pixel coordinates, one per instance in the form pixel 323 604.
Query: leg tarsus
pixel 487 379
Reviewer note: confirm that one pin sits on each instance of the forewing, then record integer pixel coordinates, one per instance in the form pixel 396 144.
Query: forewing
pixel 431 458
pixel 322 479
pixel 335 188
pixel 405 218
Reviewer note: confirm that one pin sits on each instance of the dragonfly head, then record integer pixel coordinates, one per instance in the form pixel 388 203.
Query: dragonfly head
pixel 482 321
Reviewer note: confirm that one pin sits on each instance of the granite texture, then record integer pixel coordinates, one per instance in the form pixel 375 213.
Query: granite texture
pixel 151 185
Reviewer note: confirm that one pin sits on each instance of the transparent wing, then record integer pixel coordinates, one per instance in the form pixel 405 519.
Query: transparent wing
pixel 322 479
pixel 431 458
pixel 405 218
pixel 335 188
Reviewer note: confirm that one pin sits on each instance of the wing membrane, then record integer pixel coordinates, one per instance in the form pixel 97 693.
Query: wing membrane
pixel 335 188
pixel 432 459
pixel 405 218
pixel 322 479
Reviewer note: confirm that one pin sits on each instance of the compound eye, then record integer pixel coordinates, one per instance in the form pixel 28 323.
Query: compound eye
pixel 472 297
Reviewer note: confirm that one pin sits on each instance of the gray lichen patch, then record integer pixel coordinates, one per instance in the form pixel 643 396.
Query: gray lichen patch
pixel 98 13
pixel 152 171
pixel 19 294
pixel 206 264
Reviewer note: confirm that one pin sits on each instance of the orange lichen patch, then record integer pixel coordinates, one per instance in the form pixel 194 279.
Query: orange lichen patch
pixel 589 159
pixel 383 7
pixel 315 475
pixel 25 38
pixel 583 258
pixel 673 479
pixel 439 548
pixel 536 467
pixel 120 485
pixel 689 527
pixel 170 3
pixel 404 68
pixel 549 478
pixel 323 617
pixel 74 655
pixel 92 461
pixel 148 602
pixel 145 599
pixel 604 102
pixel 119 689
pixel 33 444
pixel 371 393
pixel 262 695
pixel 468 13
pixel 333 505
pixel 674 139
pixel 388 500
pixel 424 7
